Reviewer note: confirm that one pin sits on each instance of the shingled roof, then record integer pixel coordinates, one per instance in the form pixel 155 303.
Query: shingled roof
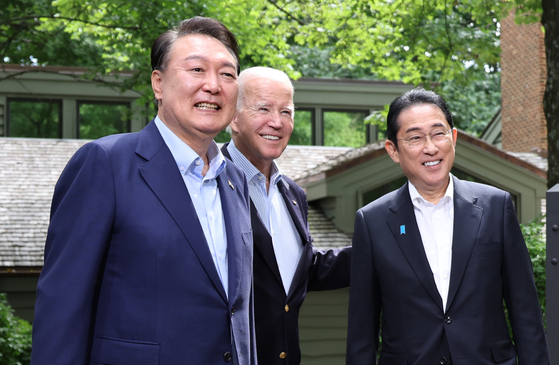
pixel 352 157
pixel 30 167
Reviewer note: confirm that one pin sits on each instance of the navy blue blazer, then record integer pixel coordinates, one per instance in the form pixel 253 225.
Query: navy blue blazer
pixel 393 289
pixel 128 275
pixel 277 313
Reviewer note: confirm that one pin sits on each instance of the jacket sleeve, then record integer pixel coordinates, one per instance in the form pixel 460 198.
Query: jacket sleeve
pixel 330 269
pixel 79 233
pixel 364 299
pixel 520 293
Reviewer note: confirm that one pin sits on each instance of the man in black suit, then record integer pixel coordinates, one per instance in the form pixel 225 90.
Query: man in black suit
pixel 286 265
pixel 436 259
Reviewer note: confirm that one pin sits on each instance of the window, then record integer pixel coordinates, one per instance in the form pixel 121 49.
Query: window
pixel 34 118
pixel 99 119
pixel 345 128
pixel 303 128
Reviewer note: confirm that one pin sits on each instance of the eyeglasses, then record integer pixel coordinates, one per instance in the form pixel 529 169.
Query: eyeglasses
pixel 417 140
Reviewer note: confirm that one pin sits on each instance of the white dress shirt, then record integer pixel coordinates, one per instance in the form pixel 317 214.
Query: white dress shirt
pixel 436 225
pixel 273 212
pixel 204 192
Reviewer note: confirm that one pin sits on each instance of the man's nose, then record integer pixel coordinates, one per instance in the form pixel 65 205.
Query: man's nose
pixel 275 120
pixel 211 83
pixel 429 146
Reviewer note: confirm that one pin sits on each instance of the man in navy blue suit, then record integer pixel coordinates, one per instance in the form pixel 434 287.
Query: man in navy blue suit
pixel 435 259
pixel 286 265
pixel 148 258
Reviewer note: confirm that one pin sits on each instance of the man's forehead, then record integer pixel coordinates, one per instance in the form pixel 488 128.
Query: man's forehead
pixel 192 46
pixel 260 99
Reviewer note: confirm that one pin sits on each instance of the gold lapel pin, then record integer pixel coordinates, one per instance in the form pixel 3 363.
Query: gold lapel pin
pixel 231 184
pixel 294 202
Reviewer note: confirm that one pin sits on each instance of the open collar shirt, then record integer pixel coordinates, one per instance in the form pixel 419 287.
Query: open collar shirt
pixel 436 225
pixel 204 193
pixel 273 212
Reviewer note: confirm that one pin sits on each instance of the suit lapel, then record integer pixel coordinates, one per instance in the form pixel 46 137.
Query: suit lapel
pixel 262 239
pixel 409 241
pixel 294 207
pixel 296 212
pixel 229 203
pixel 263 242
pixel 464 235
pixel 172 193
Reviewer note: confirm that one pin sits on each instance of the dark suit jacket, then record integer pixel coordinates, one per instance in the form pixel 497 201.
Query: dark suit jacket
pixel 128 275
pixel 277 314
pixel 392 280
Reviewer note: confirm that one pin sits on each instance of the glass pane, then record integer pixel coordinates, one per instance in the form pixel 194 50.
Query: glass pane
pixel 36 119
pixel 344 129
pixel 302 130
pixel 98 120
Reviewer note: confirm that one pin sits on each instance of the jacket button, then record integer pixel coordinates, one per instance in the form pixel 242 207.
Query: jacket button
pixel 227 356
pixel 286 308
pixel 443 361
pixel 283 355
pixel 232 311
pixel 448 320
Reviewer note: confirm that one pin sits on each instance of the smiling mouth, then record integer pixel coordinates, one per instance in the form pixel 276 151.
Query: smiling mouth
pixel 432 163
pixel 269 137
pixel 207 106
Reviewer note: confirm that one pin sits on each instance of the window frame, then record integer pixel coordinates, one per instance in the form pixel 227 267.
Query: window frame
pixel 39 100
pixel 80 102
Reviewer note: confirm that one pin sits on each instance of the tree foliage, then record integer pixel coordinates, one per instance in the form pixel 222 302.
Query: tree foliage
pixel 450 46
pixel 413 41
pixel 15 336
pixel 533 235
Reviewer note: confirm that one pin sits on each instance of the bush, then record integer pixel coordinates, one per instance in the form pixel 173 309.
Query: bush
pixel 15 336
pixel 535 241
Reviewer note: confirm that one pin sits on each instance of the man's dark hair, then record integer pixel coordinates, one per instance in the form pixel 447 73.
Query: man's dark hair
pixel 416 96
pixel 198 25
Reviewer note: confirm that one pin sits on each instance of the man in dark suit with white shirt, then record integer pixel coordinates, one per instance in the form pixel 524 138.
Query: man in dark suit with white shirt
pixel 286 265
pixel 435 260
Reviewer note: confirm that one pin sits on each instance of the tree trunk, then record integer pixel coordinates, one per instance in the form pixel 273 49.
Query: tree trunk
pixel 550 21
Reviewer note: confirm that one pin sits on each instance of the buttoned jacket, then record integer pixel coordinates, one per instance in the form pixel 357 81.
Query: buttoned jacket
pixel 128 275
pixel 393 291
pixel 277 312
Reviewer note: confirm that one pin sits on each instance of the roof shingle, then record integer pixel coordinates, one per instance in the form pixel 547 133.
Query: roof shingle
pixel 30 167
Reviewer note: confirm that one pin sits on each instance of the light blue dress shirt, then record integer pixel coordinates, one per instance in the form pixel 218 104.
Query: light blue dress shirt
pixel 287 242
pixel 204 193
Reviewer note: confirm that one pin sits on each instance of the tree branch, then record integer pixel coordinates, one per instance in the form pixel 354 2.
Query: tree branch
pixel 274 3
pixel 54 16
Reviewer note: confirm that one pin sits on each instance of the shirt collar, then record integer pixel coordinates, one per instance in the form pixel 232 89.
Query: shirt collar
pixel 186 158
pixel 417 199
pixel 249 169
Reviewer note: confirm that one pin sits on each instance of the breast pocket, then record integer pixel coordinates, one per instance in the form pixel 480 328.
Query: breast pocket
pixel 112 351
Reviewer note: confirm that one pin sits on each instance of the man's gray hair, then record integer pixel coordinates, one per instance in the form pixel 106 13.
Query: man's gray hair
pixel 259 72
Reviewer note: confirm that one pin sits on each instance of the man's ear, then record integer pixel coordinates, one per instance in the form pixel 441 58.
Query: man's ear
pixel 234 125
pixel 156 81
pixel 454 136
pixel 390 147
